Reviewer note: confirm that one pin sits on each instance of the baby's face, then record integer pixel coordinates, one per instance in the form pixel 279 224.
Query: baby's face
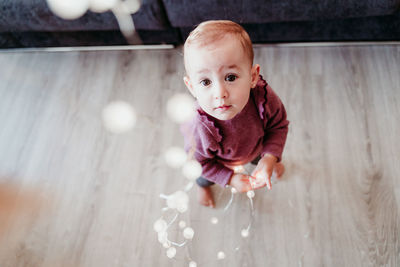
pixel 220 76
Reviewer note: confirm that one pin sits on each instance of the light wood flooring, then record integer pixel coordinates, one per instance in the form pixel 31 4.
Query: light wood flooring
pixel 73 194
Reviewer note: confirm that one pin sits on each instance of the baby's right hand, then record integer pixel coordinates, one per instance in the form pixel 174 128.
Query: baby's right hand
pixel 241 182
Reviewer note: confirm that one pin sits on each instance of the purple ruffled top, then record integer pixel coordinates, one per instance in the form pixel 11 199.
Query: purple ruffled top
pixel 260 128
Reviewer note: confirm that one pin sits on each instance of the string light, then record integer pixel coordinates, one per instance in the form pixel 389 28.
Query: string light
pixel 122 10
pixel 192 170
pixel 188 233
pixel 250 194
pixel 160 225
pixel 244 233
pixel 180 108
pixel 71 9
pixel 221 255
pixel 100 6
pixel 175 157
pixel 119 117
pixel 182 224
pixel 171 252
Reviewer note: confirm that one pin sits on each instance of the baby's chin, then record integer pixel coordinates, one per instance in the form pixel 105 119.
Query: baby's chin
pixel 225 116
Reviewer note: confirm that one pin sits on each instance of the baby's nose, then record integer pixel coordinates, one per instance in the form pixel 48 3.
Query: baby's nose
pixel 220 91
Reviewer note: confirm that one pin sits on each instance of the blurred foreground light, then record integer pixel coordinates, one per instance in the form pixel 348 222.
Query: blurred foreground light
pixel 188 233
pixel 132 6
pixel 245 233
pixel 119 117
pixel 221 255
pixel 70 9
pixel 171 252
pixel 180 108
pixel 102 5
pixel 175 157
pixel 192 170
pixel 238 169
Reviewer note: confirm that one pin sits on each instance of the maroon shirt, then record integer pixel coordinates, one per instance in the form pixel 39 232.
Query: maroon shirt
pixel 260 128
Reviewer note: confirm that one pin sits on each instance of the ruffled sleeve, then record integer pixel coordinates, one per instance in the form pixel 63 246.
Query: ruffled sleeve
pixel 205 136
pixel 273 115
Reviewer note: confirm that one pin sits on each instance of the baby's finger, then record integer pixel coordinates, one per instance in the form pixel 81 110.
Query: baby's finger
pixel 259 185
pixel 268 182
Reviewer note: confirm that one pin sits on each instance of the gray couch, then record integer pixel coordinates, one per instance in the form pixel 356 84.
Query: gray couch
pixel 30 23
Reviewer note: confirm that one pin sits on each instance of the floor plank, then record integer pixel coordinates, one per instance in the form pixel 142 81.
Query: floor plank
pixel 73 194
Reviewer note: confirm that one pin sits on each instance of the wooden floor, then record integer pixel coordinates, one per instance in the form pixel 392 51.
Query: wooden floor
pixel 73 194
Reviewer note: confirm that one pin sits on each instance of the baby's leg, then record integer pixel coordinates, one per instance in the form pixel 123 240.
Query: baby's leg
pixel 205 195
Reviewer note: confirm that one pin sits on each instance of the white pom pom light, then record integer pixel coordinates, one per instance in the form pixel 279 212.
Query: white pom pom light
pixel 175 157
pixel 188 233
pixel 221 255
pixel 182 224
pixel 71 9
pixel 180 108
pixel 192 170
pixel 179 201
pixel 214 220
pixel 171 252
pixel 160 225
pixel 192 264
pixel 250 194
pixel 119 117
pixel 102 5
pixel 244 233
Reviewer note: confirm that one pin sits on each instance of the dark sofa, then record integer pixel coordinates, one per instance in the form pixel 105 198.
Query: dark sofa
pixel 30 23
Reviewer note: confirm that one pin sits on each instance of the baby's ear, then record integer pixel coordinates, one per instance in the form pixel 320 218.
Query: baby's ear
pixel 189 85
pixel 255 75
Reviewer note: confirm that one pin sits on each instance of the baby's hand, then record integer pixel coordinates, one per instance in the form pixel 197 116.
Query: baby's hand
pixel 240 182
pixel 264 169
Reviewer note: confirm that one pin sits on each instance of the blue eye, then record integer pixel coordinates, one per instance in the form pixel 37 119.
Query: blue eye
pixel 205 82
pixel 230 78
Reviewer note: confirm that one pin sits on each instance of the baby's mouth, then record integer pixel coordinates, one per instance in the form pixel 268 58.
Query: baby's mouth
pixel 223 107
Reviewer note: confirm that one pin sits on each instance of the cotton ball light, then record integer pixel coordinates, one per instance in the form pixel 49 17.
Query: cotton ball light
pixel 100 6
pixel 188 233
pixel 132 6
pixel 167 244
pixel 182 207
pixel 175 157
pixel 221 255
pixel 178 200
pixel 163 237
pixel 192 170
pixel 119 117
pixel 182 224
pixel 71 9
pixel 180 108
pixel 171 252
pixel 250 194
pixel 192 264
pixel 160 225
pixel 245 233
pixel 214 220
pixel 233 190
pixel 238 169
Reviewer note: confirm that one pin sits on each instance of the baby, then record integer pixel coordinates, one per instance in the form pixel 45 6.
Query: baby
pixel 239 118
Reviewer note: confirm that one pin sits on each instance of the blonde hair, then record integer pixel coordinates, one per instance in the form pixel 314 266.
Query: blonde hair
pixel 209 32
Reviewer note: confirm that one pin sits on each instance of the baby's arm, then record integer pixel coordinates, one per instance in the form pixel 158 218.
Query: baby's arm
pixel 275 133
pixel 276 126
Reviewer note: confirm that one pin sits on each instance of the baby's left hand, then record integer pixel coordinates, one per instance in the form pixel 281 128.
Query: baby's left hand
pixel 264 170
